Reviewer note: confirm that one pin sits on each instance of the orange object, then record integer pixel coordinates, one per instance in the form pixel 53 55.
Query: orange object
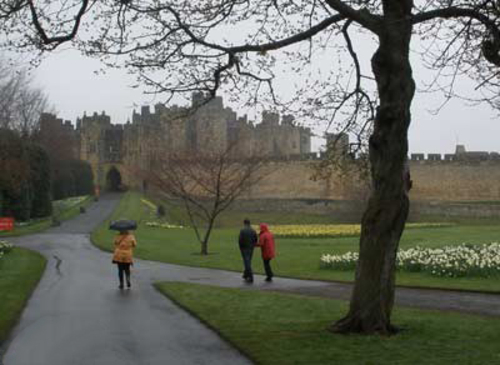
pixel 124 247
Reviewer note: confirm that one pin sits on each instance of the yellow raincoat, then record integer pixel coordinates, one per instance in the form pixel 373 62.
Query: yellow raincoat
pixel 124 246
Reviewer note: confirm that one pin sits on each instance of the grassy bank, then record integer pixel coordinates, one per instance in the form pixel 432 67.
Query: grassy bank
pixel 296 257
pixel 65 210
pixel 20 271
pixel 274 328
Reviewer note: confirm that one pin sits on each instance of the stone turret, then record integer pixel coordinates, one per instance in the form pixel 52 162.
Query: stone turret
pixel 270 118
pixel 288 119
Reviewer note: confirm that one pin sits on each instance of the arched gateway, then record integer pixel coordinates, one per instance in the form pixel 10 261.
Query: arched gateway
pixel 113 179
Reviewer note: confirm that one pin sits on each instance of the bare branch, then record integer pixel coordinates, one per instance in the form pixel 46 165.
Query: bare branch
pixel 55 41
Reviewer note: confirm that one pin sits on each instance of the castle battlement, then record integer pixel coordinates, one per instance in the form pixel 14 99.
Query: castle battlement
pixel 460 155
pixel 205 125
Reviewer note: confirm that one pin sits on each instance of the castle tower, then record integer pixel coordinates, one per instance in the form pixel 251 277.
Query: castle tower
pixel 210 125
pixel 58 137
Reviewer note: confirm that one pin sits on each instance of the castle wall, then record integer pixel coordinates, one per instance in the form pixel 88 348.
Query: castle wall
pixel 452 181
pixel 433 182
pixel 242 141
pixel 461 177
pixel 58 136
pixel 352 210
pixel 455 180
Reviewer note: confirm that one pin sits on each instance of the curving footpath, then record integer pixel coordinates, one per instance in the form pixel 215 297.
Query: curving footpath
pixel 77 315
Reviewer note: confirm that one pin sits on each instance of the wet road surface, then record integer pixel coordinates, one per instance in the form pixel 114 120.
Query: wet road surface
pixel 77 315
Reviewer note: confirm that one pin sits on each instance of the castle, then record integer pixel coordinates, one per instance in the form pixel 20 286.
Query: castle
pixel 111 149
pixel 206 125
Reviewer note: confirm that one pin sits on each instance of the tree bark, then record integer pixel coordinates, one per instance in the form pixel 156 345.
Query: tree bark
pixel 204 247
pixel 204 243
pixel 384 219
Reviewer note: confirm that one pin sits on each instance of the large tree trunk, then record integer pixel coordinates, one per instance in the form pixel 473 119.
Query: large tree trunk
pixel 384 219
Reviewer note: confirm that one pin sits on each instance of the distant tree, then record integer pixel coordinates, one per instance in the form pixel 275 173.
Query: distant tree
pixel 13 159
pixel 205 182
pixel 41 182
pixel 15 169
pixel 182 46
pixel 72 177
pixel 22 193
pixel 21 104
pixel 19 202
pixel 25 177
pixel 84 178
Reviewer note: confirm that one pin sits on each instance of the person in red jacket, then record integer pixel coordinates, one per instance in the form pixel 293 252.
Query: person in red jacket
pixel 266 244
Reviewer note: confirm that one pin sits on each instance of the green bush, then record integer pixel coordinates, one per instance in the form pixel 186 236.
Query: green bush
pixel 72 178
pixel 41 202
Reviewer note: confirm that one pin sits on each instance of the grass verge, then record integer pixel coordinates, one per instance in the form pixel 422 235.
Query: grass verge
pixel 20 271
pixel 273 328
pixel 42 224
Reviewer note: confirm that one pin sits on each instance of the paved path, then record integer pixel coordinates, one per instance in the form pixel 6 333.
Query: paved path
pixel 78 316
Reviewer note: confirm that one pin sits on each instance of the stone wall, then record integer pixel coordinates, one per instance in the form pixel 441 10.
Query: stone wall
pixel 456 180
pixel 432 181
pixel 339 210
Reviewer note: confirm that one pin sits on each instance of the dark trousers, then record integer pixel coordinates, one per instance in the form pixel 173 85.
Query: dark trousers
pixel 123 268
pixel 267 267
pixel 246 254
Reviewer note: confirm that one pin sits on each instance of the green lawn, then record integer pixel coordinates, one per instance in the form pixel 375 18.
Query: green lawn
pixel 273 328
pixel 65 212
pixel 20 271
pixel 296 257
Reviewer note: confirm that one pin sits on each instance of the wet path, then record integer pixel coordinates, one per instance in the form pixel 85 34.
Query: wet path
pixel 77 315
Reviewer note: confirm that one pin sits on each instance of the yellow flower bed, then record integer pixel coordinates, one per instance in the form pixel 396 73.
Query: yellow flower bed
pixel 149 204
pixel 332 230
pixel 315 230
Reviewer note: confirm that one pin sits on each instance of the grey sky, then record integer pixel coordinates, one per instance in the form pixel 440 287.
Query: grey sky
pixel 73 88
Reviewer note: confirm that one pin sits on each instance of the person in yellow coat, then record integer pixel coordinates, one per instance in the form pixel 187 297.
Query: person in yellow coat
pixel 123 255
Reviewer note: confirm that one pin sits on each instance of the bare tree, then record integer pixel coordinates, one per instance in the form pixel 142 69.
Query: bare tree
pixel 21 104
pixel 206 182
pixel 181 46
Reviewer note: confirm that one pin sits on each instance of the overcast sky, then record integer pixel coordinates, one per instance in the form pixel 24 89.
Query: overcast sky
pixel 73 87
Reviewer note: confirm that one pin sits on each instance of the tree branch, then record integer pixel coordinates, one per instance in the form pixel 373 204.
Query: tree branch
pixel 57 40
pixel 455 12
pixel 299 37
pixel 363 17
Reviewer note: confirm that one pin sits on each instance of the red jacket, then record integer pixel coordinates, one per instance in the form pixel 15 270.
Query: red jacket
pixel 266 242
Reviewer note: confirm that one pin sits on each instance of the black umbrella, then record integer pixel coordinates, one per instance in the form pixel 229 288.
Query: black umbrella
pixel 123 225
